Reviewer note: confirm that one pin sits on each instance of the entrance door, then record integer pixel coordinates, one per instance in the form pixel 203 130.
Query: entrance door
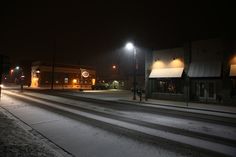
pixel 205 90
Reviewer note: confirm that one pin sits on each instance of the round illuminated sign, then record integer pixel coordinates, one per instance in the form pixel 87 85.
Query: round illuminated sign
pixel 85 74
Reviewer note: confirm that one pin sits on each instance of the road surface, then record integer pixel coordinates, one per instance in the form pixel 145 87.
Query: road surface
pixel 91 129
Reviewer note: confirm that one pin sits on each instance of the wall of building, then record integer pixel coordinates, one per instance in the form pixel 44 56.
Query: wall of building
pixel 164 58
pixel 212 50
pixel 168 58
pixel 222 51
pixel 64 77
pixel 208 50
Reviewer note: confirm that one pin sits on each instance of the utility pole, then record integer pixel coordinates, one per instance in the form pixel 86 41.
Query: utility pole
pixel 53 69
pixel 134 74
pixel 53 62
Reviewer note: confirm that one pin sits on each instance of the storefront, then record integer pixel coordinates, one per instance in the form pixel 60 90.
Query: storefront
pixel 200 71
pixel 166 79
pixel 205 78
pixel 232 75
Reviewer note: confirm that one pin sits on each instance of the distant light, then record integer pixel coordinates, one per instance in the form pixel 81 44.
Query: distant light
pixel 35 79
pixel 1 85
pixel 93 81
pixel 129 46
pixel 17 67
pixel 115 81
pixel 66 80
pixel 85 74
pixel 22 76
pixel 74 81
pixel 37 71
pixel 12 70
pixel 113 67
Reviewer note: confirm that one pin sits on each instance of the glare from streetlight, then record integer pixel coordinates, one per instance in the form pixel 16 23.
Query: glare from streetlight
pixel 17 68
pixel 129 46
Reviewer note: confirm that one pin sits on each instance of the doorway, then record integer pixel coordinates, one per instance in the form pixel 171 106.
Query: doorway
pixel 205 90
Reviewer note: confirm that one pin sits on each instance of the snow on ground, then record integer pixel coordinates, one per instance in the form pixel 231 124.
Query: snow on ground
pixel 84 140
pixel 227 132
pixel 16 141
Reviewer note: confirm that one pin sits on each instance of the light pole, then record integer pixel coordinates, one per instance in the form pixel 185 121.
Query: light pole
pixel 130 46
pixel 20 76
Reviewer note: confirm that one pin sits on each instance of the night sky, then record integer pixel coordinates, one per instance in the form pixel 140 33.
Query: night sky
pixel 94 33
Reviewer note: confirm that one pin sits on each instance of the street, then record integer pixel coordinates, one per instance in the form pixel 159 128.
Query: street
pixel 89 128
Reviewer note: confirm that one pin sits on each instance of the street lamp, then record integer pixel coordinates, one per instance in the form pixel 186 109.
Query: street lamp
pixel 130 46
pixel 17 67
pixel 113 66
pixel 19 75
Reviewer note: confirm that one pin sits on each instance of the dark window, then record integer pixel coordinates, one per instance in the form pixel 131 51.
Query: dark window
pixel 45 77
pixel 211 90
pixel 233 90
pixel 202 89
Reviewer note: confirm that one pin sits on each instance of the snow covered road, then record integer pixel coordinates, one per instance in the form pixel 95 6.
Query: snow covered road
pixel 79 137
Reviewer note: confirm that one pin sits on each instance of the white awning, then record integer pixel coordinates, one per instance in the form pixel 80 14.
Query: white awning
pixel 166 73
pixel 232 70
pixel 204 69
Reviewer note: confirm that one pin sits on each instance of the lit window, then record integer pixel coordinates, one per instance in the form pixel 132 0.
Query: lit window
pixel 66 80
pixel 74 81
pixel 93 81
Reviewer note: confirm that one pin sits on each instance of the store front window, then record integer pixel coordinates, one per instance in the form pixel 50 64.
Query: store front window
pixel 233 90
pixel 169 86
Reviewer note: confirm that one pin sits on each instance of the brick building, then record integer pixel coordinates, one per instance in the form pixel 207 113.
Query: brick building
pixel 64 76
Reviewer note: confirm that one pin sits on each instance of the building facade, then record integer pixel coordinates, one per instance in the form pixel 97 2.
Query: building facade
pixel 62 76
pixel 199 71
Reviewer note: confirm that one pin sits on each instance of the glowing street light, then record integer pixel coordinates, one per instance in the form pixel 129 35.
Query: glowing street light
pixel 17 67
pixel 37 71
pixel 114 67
pixel 130 46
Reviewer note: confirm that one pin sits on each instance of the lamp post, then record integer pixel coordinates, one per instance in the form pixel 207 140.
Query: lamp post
pixel 20 76
pixel 130 46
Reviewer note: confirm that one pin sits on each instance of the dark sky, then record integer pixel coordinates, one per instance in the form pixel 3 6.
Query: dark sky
pixel 93 32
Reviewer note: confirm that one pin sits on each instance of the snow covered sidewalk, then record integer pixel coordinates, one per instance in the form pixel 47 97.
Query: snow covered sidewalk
pixel 16 140
pixel 126 96
pixel 192 105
